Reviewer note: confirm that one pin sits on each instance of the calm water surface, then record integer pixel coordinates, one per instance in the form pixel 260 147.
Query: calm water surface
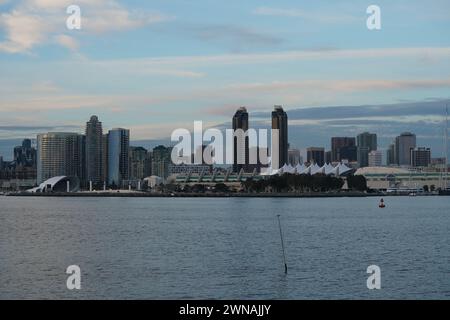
pixel 203 248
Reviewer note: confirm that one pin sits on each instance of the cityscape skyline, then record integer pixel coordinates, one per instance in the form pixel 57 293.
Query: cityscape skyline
pixel 354 154
pixel 99 157
pixel 61 157
pixel 315 124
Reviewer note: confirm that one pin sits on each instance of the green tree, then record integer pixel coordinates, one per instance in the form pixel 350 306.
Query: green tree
pixel 357 182
pixel 221 187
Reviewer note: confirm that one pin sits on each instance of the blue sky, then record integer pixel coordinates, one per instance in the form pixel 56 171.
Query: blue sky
pixel 153 66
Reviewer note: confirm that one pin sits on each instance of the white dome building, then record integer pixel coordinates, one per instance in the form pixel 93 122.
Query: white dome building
pixel 58 184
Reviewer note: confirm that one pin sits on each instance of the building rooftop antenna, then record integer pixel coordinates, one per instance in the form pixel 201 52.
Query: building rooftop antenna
pixel 446 149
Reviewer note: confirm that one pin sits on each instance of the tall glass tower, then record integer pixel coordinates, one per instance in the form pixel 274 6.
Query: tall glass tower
pixel 403 145
pixel 240 146
pixel 366 142
pixel 118 156
pixel 94 150
pixel 280 122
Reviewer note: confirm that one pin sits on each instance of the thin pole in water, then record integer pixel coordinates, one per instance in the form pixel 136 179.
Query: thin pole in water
pixel 446 148
pixel 282 245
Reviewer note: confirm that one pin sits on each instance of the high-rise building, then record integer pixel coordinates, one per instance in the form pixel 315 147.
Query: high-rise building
pixel 390 155
pixel 161 160
pixel 280 123
pixel 403 145
pixel 343 148
pixel 375 158
pixel 366 142
pixel 118 157
pixel 94 151
pixel 294 157
pixel 105 142
pixel 420 157
pixel 60 154
pixel 138 163
pixel 25 155
pixel 148 164
pixel 316 155
pixel 240 146
pixel 362 155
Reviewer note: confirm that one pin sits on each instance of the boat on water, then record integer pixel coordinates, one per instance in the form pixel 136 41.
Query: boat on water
pixel 382 205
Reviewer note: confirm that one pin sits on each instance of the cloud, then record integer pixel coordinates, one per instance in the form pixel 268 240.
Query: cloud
pixel 67 42
pixel 287 56
pixel 237 37
pixel 23 31
pixel 342 85
pixel 35 22
pixel 37 128
pixel 119 19
pixel 321 17
pixel 414 111
pixel 45 87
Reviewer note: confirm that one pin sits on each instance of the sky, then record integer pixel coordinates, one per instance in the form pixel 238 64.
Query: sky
pixel 154 66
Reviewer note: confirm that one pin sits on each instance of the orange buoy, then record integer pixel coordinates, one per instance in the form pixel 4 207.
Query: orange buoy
pixel 381 205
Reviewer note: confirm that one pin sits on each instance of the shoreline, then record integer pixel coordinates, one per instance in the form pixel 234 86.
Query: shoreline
pixel 208 195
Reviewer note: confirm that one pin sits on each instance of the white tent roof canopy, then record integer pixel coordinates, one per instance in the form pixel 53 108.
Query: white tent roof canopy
pixel 314 168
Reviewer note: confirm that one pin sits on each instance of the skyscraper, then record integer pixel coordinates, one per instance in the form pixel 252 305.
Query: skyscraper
pixel 118 156
pixel 390 155
pixel 138 162
pixel 148 164
pixel 343 148
pixel 403 145
pixel 316 155
pixel 280 123
pixel 60 154
pixel 240 146
pixel 94 151
pixel 105 139
pixel 375 158
pixel 366 142
pixel 420 157
pixel 25 155
pixel 161 159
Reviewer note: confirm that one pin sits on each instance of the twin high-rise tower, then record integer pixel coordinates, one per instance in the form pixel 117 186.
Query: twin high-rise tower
pixel 242 148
